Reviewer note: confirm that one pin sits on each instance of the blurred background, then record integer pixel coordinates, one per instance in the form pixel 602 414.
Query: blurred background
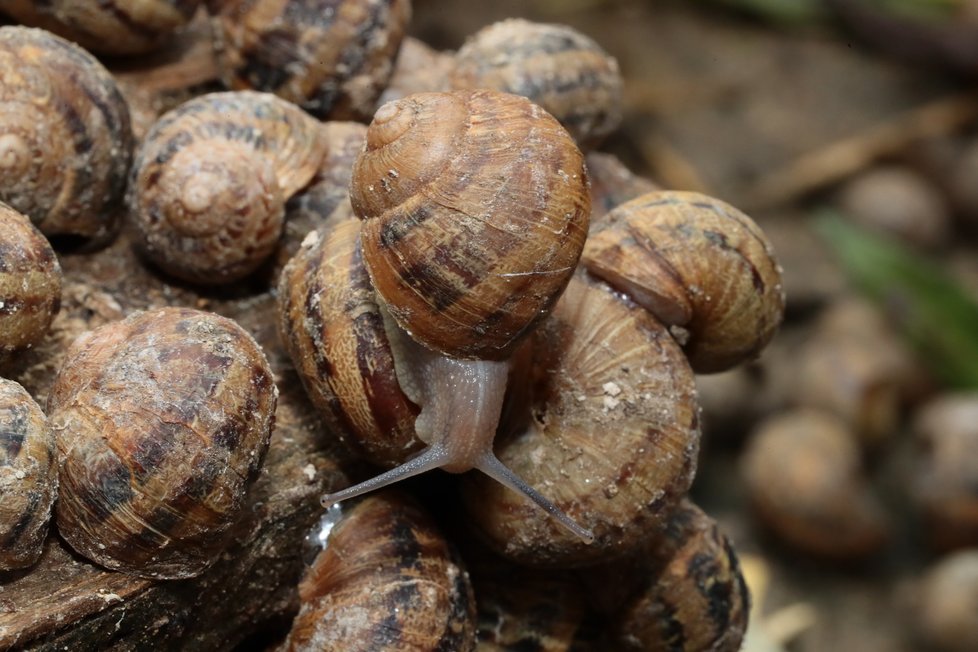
pixel 844 462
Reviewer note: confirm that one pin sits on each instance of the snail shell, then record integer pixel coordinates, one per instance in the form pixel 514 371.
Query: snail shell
pixel 332 59
pixel 162 421
pixel 386 580
pixel 65 137
pixel 30 283
pixel 475 209
pixel 28 477
pixel 945 603
pixel 693 596
pixel 805 482
pixel 106 26
pixel 946 470
pixel 209 184
pixel 333 329
pixel 698 264
pixel 554 66
pixel 613 434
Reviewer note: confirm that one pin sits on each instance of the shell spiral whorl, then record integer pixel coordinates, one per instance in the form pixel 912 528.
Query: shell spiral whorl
pixel 475 209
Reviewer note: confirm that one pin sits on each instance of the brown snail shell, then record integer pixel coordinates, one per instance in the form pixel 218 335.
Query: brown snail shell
pixel 28 477
pixel 804 477
pixel 162 421
pixel 946 471
pixel 946 603
pixel 684 592
pixel 209 183
pixel 106 26
pixel 386 580
pixel 555 66
pixel 698 264
pixel 333 328
pixel 30 283
pixel 65 137
pixel 475 209
pixel 613 434
pixel 331 59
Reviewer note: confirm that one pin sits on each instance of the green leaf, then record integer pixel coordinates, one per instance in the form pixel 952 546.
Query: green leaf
pixel 928 306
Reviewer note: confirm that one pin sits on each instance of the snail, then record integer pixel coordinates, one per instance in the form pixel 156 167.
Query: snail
pixel 944 477
pixel 30 283
pixel 65 137
pixel 805 482
pixel 209 184
pixel 700 266
pixel 690 594
pixel 387 579
pixel 162 421
pixel 28 477
pixel 555 66
pixel 116 27
pixel 333 60
pixel 610 427
pixel 944 604
pixel 474 209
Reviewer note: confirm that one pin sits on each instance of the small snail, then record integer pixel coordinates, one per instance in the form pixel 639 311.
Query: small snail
pixel 555 66
pixel 65 137
pixel 700 266
pixel 209 184
pixel 162 420
pixel 387 579
pixel 106 26
pixel 474 208
pixel 28 477
pixel 945 604
pixel 331 59
pixel 30 283
pixel 946 470
pixel 804 478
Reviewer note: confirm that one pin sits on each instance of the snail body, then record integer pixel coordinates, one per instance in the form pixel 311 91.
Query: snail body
pixel 700 266
pixel 30 283
pixel 209 184
pixel 65 135
pixel 28 477
pixel 116 27
pixel 387 579
pixel 555 66
pixel 332 60
pixel 163 419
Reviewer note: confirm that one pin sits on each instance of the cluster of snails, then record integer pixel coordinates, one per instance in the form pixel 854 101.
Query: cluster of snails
pixel 456 302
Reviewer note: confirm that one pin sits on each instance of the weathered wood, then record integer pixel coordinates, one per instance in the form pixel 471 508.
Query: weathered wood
pixel 66 602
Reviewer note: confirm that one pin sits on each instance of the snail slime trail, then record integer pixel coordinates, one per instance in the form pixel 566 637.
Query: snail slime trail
pixel 462 401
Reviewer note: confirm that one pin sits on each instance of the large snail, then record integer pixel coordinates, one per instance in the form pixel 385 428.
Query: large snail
pixel 474 208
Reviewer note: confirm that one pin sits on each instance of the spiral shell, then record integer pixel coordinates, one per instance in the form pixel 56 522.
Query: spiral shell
pixel 804 479
pixel 331 58
pixel 162 422
pixel 106 26
pixel 30 283
pixel 209 184
pixel 613 434
pixel 694 599
pixel 475 208
pixel 333 329
pixel 946 470
pixel 386 580
pixel 65 137
pixel 698 264
pixel 554 66
pixel 28 477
